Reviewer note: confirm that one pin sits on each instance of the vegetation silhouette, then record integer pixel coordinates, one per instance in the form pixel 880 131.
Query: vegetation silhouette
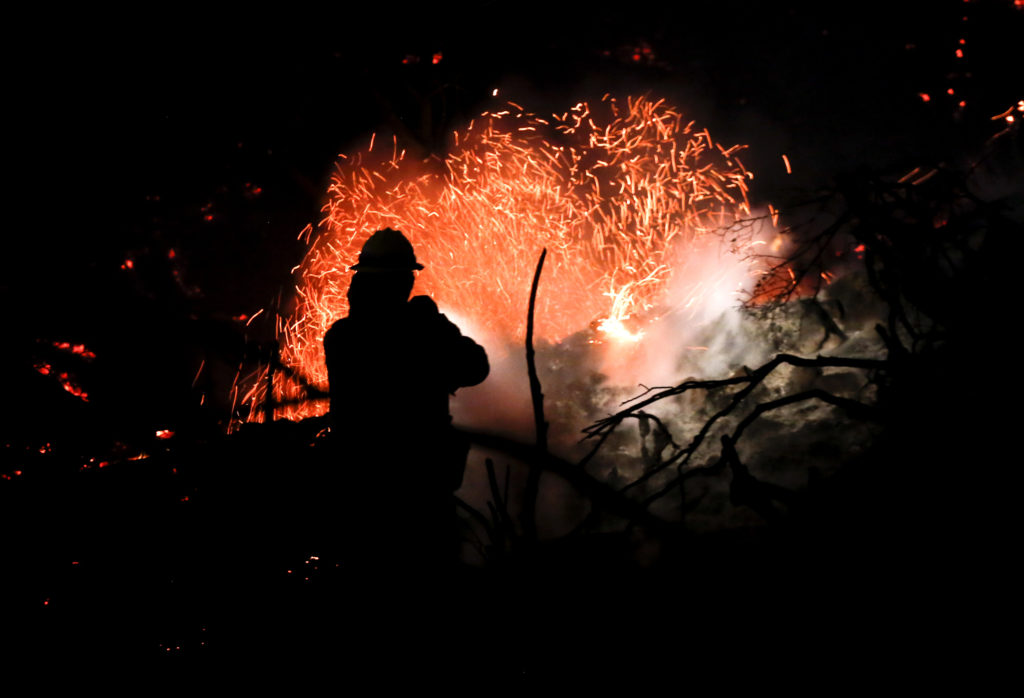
pixel 212 545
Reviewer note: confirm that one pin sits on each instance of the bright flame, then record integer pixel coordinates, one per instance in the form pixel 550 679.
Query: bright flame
pixel 624 196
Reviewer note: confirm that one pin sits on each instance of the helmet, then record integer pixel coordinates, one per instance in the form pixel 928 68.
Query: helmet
pixel 387 250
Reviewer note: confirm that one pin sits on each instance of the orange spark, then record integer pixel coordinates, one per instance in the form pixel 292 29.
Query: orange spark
pixel 925 177
pixel 256 315
pixel 908 175
pixel 1008 112
pixel 621 194
pixel 202 364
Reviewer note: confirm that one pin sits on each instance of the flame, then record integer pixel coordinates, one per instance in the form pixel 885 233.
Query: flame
pixel 623 194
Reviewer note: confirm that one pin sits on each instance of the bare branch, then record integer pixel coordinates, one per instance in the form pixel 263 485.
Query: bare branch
pixel 602 429
pixel 540 425
pixel 858 409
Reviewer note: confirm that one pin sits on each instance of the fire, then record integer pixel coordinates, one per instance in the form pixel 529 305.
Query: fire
pixel 627 197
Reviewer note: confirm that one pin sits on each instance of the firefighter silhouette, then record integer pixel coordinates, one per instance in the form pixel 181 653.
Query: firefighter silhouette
pixel 392 364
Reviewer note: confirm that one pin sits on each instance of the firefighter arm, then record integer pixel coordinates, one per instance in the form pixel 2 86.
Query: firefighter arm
pixel 469 363
pixel 465 361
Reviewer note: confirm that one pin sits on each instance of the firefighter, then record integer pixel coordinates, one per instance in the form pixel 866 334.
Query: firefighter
pixel 392 364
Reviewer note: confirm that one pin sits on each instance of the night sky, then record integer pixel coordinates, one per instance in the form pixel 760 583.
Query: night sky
pixel 162 171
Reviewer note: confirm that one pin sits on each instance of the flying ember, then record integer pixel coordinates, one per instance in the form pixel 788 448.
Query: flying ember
pixel 628 197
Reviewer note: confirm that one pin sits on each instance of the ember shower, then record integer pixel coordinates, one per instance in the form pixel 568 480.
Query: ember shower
pixel 628 196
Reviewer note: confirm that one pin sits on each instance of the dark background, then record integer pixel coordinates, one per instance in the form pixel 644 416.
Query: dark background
pixel 199 145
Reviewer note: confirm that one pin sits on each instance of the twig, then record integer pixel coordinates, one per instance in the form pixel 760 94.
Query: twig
pixel 480 518
pixel 853 406
pixel 601 495
pixel 602 429
pixel 502 521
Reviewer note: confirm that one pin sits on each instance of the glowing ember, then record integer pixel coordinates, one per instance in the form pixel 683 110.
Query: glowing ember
pixel 79 349
pixel 626 197
pixel 66 380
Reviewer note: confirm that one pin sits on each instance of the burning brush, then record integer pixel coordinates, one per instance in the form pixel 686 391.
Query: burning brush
pixel 628 197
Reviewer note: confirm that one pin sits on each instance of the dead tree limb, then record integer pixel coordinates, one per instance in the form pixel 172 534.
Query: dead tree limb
pixel 602 429
pixel 854 407
pixel 529 519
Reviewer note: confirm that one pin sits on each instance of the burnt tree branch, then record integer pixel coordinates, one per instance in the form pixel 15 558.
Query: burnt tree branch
pixel 854 407
pixel 602 429
pixel 529 511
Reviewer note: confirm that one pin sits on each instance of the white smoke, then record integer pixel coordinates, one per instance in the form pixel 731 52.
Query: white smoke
pixel 585 379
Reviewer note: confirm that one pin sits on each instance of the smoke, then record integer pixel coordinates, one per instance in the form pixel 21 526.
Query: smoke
pixel 586 378
pixel 700 329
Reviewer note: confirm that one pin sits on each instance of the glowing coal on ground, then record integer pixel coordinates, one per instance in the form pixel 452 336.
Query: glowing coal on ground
pixel 628 196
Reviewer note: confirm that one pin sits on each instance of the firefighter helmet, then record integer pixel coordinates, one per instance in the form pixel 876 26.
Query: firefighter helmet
pixel 387 250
